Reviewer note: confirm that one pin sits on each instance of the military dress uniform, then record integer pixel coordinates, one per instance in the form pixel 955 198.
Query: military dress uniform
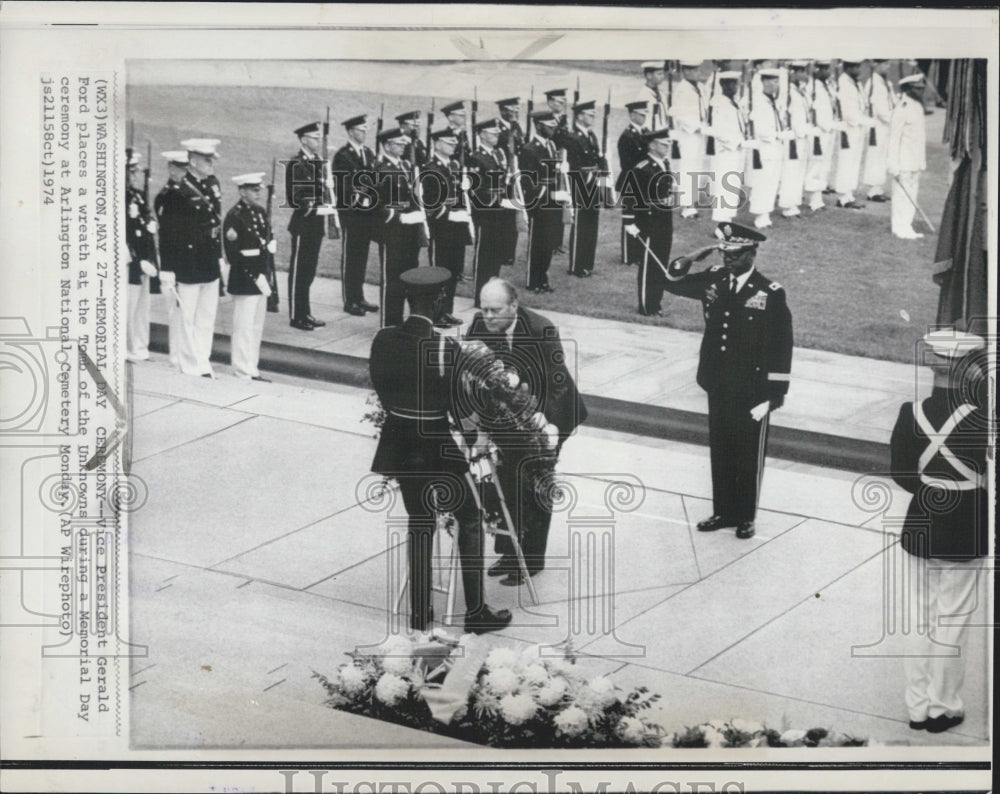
pixel 140 230
pixel 489 188
pixel 745 360
pixel 399 237
pixel 169 208
pixel 250 246
pixel 449 238
pixel 583 153
pixel 855 120
pixel 823 140
pixel 307 193
pixel 631 152
pixel 729 129
pixel 539 158
pixel 354 166
pixel 689 113
pixel 654 218
pixel 905 159
pixel 510 142
pixel 938 449
pixel 880 104
pixel 793 168
pixel 771 142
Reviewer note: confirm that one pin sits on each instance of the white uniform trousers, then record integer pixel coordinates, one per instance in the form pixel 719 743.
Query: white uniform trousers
pixel 766 179
pixel 248 328
pixel 833 147
pixel 692 160
pixel 137 325
pixel 199 304
pixel 942 599
pixel 903 210
pixel 849 164
pixel 793 176
pixel 817 171
pixel 173 327
pixel 727 184
pixel 875 161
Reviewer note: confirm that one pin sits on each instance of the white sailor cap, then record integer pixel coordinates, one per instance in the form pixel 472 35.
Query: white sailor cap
pixel 691 64
pixel 916 77
pixel 953 344
pixel 133 159
pixel 249 180
pixel 650 66
pixel 769 73
pixel 800 64
pixel 177 157
pixel 730 75
pixel 203 146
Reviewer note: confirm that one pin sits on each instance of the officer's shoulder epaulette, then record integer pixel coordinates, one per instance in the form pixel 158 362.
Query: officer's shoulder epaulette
pixel 643 164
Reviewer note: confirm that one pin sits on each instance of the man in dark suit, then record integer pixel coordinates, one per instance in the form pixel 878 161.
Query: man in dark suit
pixel 631 152
pixel 939 449
pixel 399 221
pixel 745 366
pixel 354 168
pixel 651 228
pixel 539 160
pixel 412 369
pixel 448 217
pixel 307 193
pixel 529 343
pixel 510 141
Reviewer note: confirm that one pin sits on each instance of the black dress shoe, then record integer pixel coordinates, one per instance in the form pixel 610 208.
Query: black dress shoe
pixel 713 523
pixel 879 199
pixel 745 530
pixel 942 723
pixel 850 205
pixel 828 191
pixel 452 320
pixel 655 313
pixel 206 374
pixel 486 620
pixel 918 726
pixel 502 567
pixel 545 288
pixel 260 379
pixel 368 307
pixel 302 325
pixel 354 309
pixel 516 578
pixel 315 322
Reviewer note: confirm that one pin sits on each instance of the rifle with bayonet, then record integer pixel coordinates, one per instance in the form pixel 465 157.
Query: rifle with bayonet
pixel 269 272
pixel 609 175
pixel 845 141
pixel 872 137
pixel 531 109
pixel 378 124
pixel 710 140
pixel 418 198
pixel 430 124
pixel 333 219
pixel 153 227
pixel 817 143
pixel 675 148
pixel 576 101
pixel 463 190
pixel 473 137
pixel 793 148
pixel 514 181
pixel 755 157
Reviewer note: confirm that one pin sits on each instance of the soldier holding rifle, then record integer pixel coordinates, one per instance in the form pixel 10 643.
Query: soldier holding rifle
pixel 140 236
pixel 729 133
pixel 824 138
pixel 416 151
pixel 354 165
pixel 510 141
pixel 631 152
pixel 793 170
pixel 539 162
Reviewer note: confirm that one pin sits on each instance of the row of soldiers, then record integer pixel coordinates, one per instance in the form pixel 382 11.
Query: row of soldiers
pixel 783 133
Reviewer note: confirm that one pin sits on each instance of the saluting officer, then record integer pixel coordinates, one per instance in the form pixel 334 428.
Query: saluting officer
pixel 631 152
pixel 169 206
pixel 196 271
pixel 448 217
pixel 140 228
pixel 354 165
pixel 492 208
pixel 510 141
pixel 539 159
pixel 399 222
pixel 744 366
pixel 456 116
pixel 413 371
pixel 250 248
pixel 729 129
pixel 586 163
pixel 416 150
pixel 307 193
pixel 653 226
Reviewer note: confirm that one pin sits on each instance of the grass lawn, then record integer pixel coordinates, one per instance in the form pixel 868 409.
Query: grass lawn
pixel 852 287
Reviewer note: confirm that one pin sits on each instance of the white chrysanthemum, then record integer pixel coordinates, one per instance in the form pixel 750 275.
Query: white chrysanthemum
pixel 631 730
pixel 603 691
pixel 552 692
pixel 747 726
pixel 517 708
pixel 501 681
pixel 713 737
pixel 352 680
pixel 397 665
pixel 532 655
pixel 397 645
pixel 513 381
pixel 500 658
pixel 792 737
pixel 536 675
pixel 391 689
pixel 571 722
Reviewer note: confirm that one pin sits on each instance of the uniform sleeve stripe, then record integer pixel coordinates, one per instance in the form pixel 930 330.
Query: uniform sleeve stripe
pixel 779 376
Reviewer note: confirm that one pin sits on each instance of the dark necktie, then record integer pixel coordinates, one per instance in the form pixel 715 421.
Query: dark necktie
pixel 732 284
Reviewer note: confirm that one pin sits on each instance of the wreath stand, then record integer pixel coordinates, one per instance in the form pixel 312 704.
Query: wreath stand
pixel 508 529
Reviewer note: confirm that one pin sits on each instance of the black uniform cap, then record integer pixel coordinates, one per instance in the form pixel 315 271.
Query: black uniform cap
pixel 514 100
pixel 454 107
pixel 581 106
pixel 641 105
pixel 735 237
pixel 395 132
pixel 555 92
pixel 307 129
pixel 424 280
pixel 656 135
pixel 357 121
pixel 446 134
pixel 411 115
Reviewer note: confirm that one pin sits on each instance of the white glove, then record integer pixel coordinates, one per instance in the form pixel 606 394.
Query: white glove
pixel 752 143
pixel 507 204
pixel 224 270
pixel 133 210
pixel 563 167
pixel 632 229
pixel 538 421
pixel 459 216
pixel 411 218
pixel 786 135
pixel 466 184
pixel 551 435
pixel 760 410
pixel 561 196
pixel 168 279
pixel 152 227
pixel 147 267
pixel 272 247
pixel 324 210
pixel 262 285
